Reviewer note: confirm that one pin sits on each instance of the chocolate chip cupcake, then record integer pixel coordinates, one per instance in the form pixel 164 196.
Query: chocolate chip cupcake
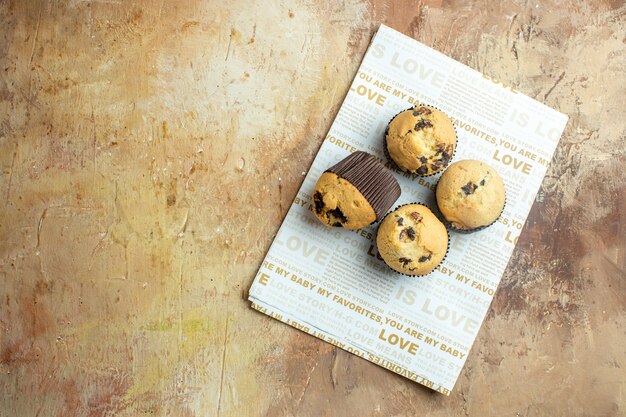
pixel 421 140
pixel 411 240
pixel 355 192
pixel 470 195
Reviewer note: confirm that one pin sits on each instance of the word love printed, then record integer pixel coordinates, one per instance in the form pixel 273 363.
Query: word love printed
pixel 331 283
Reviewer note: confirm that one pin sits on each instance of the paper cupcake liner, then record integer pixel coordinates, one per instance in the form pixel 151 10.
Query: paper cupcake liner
pixel 399 168
pixel 368 175
pixel 442 259
pixel 450 226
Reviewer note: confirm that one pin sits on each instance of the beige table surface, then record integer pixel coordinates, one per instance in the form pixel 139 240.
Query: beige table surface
pixel 149 151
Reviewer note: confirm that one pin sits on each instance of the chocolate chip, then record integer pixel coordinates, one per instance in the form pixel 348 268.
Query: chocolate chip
pixel 469 188
pixel 425 258
pixel 422 170
pixel 441 161
pixel 482 182
pixel 337 224
pixel 423 124
pixel 421 110
pixel 444 151
pixel 338 214
pixel 423 159
pixel 416 217
pixel 318 199
pixel 400 221
pixel 404 261
pixel 407 232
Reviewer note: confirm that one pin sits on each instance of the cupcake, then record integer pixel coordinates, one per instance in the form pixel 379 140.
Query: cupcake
pixel 420 140
pixel 470 195
pixel 355 192
pixel 411 240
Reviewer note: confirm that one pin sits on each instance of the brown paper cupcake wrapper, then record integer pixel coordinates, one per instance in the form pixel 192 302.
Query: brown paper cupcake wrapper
pixel 442 259
pixel 399 168
pixel 450 226
pixel 377 184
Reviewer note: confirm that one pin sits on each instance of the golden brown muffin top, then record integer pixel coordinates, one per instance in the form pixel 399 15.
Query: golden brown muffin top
pixel 421 140
pixel 412 240
pixel 470 194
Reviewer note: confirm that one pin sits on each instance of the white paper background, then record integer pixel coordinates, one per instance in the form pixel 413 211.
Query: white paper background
pixel 329 282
